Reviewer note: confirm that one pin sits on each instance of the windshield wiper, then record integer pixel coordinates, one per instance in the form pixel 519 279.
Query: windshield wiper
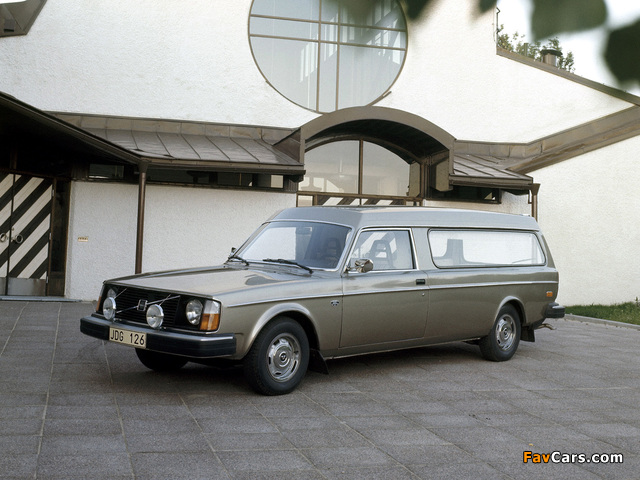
pixel 287 262
pixel 233 256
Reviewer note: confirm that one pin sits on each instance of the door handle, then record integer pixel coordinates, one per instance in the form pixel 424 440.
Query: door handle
pixel 421 281
pixel 5 236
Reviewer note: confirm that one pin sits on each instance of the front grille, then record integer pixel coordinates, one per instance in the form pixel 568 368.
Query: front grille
pixel 127 305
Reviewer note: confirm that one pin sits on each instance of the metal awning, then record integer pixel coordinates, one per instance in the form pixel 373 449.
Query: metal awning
pixel 193 145
pixel 485 171
pixel 154 143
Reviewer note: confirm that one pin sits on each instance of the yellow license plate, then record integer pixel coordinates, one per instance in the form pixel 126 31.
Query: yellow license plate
pixel 127 337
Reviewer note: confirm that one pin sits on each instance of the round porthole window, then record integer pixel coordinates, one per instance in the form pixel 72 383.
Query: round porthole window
pixel 325 55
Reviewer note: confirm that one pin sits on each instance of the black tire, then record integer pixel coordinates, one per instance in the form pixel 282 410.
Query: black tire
pixel 160 362
pixel 278 359
pixel 504 337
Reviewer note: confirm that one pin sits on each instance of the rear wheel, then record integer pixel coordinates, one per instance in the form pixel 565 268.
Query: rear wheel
pixel 160 362
pixel 278 358
pixel 504 337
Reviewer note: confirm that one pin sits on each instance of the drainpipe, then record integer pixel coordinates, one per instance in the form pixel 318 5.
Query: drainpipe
pixel 533 200
pixel 142 187
pixel 13 158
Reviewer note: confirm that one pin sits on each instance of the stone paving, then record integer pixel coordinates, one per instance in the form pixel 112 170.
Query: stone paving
pixel 74 407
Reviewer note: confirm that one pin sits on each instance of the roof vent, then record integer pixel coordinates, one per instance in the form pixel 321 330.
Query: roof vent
pixel 550 56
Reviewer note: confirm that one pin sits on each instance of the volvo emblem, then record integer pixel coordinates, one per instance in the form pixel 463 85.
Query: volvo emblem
pixel 142 305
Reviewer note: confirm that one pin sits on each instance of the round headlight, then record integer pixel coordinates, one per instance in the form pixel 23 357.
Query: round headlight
pixel 194 311
pixel 112 293
pixel 109 308
pixel 155 316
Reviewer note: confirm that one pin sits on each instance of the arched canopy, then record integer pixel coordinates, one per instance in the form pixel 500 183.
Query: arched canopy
pixel 451 161
pixel 399 130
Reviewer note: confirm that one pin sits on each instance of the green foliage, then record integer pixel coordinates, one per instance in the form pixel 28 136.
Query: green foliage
pixel 622 312
pixel 415 8
pixel 623 52
pixel 551 17
pixel 516 43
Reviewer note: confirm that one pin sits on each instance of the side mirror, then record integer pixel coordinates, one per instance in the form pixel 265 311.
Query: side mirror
pixel 361 265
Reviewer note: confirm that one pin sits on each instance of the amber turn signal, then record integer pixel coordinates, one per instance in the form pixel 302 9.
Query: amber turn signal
pixel 210 321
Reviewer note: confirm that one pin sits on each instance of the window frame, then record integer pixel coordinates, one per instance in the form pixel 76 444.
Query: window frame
pixel 404 156
pixel 318 38
pixel 412 244
pixel 486 266
pixel 285 224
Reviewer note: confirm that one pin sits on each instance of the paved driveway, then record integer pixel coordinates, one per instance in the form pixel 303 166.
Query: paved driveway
pixel 73 407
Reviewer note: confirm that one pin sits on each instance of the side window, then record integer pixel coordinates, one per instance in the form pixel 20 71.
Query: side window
pixel 482 248
pixel 387 249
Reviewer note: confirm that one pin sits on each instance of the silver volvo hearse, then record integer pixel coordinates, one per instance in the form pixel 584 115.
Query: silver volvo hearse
pixel 318 283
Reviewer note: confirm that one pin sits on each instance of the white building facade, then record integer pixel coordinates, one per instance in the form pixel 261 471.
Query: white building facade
pixel 339 105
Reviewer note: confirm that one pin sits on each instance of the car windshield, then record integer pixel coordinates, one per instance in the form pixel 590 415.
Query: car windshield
pixel 309 244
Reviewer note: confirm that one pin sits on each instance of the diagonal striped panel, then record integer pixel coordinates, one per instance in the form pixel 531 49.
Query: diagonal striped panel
pixel 353 200
pixel 6 195
pixel 28 228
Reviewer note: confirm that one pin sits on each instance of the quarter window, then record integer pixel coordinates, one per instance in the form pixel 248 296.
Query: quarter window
pixel 325 55
pixel 481 248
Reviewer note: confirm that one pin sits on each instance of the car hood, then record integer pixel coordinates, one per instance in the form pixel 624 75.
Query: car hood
pixel 216 282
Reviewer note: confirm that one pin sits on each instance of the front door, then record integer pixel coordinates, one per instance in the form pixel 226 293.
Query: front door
pixel 25 231
pixel 388 304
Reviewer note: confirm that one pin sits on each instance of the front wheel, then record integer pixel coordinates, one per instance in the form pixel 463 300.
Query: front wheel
pixel 278 358
pixel 504 337
pixel 160 362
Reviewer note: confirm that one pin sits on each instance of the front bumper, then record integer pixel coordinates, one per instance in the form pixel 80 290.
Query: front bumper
pixel 176 343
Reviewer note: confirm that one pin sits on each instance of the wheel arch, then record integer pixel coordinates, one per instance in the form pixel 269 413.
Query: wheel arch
pixel 306 323
pixel 519 307
pixel 296 313
pixel 526 333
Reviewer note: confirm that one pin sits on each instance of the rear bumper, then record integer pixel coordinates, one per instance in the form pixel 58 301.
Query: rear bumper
pixel 176 343
pixel 554 310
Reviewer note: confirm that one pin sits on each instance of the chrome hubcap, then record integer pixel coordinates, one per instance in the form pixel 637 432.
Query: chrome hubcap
pixel 505 332
pixel 283 357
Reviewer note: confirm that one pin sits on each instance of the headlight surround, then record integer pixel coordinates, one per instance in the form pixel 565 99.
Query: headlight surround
pixel 155 316
pixel 193 311
pixel 109 307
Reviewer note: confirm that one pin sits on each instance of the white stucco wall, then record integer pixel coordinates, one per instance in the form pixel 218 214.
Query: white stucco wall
pixel 104 215
pixel 192 60
pixel 454 78
pixel 184 227
pixel 588 210
pixel 205 223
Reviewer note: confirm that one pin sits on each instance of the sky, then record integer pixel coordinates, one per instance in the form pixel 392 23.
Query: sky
pixel 587 47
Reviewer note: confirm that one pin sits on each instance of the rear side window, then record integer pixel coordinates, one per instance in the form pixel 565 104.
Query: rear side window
pixel 484 248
